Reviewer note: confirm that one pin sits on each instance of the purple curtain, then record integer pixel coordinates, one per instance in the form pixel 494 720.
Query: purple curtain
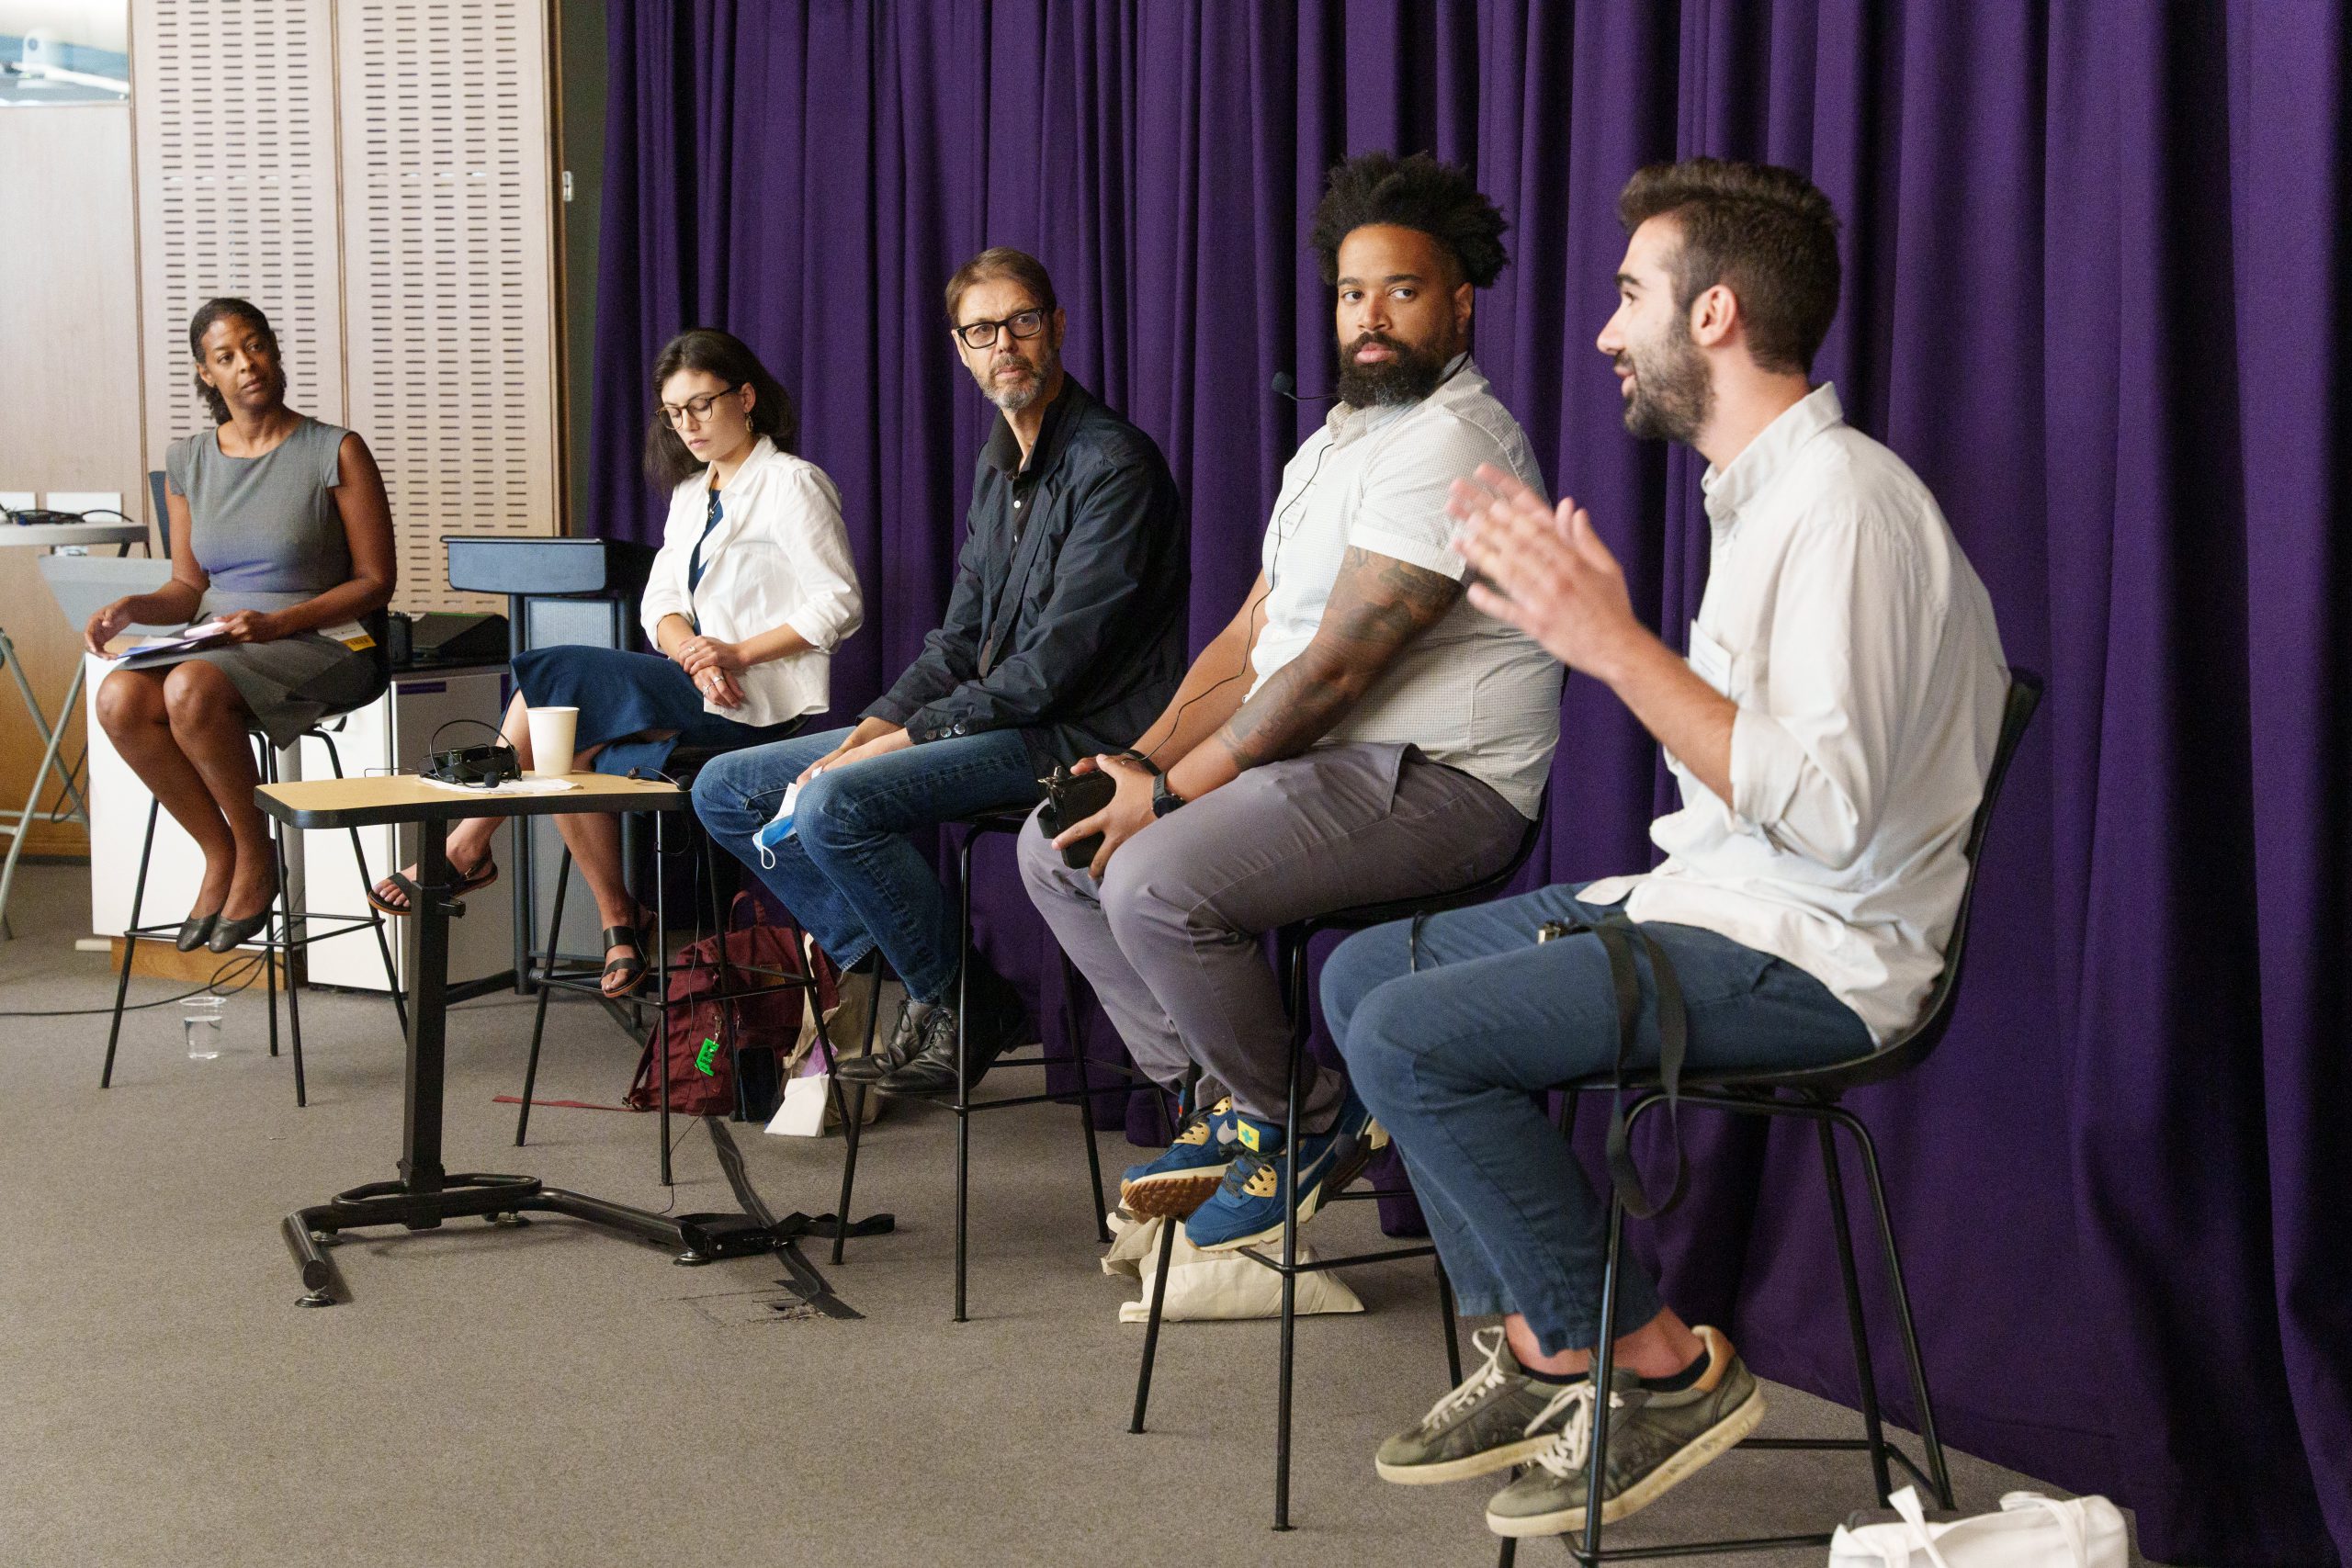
pixel 2095 291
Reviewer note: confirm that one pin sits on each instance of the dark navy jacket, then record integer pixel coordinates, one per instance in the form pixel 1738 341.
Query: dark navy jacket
pixel 1066 622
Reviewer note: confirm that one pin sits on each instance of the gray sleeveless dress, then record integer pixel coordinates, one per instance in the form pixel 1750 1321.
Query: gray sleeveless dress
pixel 266 532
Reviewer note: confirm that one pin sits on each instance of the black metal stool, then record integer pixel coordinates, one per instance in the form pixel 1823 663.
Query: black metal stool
pixel 1008 820
pixel 1812 1095
pixel 288 935
pixel 1291 943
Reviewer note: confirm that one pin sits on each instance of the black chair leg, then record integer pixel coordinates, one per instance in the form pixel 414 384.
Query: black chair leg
pixel 283 952
pixel 375 916
pixel 1446 1314
pixel 1292 953
pixel 129 945
pixel 540 1014
pixel 852 1120
pixel 1191 1090
pixel 1937 1470
pixel 1866 1380
pixel 1075 1033
pixel 1604 1361
pixel 1151 1324
pixel 963 1106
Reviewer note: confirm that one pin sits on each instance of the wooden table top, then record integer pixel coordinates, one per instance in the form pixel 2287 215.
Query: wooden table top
pixel 404 798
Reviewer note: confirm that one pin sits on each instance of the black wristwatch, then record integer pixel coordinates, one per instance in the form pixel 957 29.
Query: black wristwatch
pixel 1163 800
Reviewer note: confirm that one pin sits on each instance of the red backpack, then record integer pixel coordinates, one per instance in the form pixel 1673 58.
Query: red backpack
pixel 702 1075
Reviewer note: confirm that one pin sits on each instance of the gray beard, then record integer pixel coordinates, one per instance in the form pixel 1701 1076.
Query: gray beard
pixel 1014 399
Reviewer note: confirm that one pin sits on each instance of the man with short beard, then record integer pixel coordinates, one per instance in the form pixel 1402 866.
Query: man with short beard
pixel 1831 728
pixel 1357 733
pixel 1064 632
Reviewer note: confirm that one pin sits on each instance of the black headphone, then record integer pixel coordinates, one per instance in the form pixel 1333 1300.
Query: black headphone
pixel 478 767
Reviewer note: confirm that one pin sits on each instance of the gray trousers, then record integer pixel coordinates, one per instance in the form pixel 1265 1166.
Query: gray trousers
pixel 1170 939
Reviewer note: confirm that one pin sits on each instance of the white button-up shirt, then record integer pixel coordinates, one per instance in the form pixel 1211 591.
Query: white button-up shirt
pixel 778 557
pixel 1472 691
pixel 1859 646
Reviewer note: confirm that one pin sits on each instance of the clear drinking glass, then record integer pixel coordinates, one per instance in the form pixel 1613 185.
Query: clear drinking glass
pixel 201 1020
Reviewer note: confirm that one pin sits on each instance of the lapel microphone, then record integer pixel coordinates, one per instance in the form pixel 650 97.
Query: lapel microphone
pixel 1286 385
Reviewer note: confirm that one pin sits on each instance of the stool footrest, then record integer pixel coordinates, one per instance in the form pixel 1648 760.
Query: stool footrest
pixel 1353 1259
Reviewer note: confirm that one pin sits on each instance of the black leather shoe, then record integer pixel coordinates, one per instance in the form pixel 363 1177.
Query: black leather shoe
pixel 229 935
pixel 904 1042
pixel 193 930
pixel 996 1024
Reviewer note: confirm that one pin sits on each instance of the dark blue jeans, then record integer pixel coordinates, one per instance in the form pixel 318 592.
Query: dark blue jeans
pixel 1450 1058
pixel 849 873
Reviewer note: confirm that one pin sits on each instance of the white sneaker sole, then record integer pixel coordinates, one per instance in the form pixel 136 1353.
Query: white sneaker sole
pixel 1486 1462
pixel 1173 1195
pixel 1713 1443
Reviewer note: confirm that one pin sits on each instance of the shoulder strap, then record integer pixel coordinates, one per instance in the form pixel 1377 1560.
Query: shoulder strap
pixel 1618 937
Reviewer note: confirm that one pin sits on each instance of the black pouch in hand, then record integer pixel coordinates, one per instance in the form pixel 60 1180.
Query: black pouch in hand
pixel 1072 798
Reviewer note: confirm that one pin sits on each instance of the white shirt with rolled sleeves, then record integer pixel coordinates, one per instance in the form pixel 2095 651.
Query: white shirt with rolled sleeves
pixel 1859 646
pixel 1472 691
pixel 779 557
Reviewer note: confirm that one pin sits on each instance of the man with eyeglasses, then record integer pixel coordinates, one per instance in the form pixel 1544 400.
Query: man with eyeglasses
pixel 1064 635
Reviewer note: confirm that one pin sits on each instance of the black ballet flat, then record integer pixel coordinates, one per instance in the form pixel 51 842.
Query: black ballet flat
pixel 193 930
pixel 229 935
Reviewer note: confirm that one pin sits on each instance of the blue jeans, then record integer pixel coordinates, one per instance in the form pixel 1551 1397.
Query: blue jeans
pixel 849 873
pixel 1450 1060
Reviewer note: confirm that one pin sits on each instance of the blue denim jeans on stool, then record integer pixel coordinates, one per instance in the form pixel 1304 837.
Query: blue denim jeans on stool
pixel 1449 1059
pixel 849 873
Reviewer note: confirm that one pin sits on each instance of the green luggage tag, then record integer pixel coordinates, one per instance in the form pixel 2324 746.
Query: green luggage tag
pixel 704 1057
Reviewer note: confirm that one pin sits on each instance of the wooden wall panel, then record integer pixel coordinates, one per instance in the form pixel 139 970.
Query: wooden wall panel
pixel 236 110
pixel 449 231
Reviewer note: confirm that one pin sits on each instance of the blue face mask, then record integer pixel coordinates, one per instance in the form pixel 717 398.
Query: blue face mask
pixel 778 828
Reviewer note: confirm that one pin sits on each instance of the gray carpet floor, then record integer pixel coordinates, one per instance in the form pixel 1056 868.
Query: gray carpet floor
pixel 558 1395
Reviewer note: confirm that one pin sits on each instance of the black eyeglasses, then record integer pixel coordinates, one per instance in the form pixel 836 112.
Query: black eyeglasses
pixel 982 334
pixel 694 409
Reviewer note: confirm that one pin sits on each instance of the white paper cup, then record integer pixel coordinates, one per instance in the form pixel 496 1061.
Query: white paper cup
pixel 551 748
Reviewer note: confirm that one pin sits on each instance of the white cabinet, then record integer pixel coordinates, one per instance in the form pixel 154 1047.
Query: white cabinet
pixel 390 734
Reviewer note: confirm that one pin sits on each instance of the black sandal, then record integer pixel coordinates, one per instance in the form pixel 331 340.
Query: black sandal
pixel 485 872
pixel 630 968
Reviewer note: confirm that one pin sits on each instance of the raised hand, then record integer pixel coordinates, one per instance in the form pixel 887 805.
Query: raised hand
pixel 1544 571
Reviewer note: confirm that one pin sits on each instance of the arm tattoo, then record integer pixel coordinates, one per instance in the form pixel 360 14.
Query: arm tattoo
pixel 1378 604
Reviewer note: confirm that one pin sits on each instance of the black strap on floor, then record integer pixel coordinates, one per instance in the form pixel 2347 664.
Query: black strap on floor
pixel 804 1281
pixel 1617 936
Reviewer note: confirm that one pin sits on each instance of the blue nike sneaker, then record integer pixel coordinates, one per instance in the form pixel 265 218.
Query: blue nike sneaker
pixel 1247 1207
pixel 1181 1180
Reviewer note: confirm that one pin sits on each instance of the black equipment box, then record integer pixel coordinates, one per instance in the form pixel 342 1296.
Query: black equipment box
pixel 438 638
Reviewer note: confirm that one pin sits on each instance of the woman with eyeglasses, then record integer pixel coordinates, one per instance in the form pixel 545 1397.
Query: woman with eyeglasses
pixel 749 594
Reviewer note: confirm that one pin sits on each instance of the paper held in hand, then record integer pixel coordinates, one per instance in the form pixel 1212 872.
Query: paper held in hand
pixel 157 651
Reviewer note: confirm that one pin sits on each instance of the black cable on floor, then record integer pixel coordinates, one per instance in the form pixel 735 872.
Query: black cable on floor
pixel 250 963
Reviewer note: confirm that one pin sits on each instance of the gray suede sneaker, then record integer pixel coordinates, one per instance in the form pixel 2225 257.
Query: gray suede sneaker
pixel 1498 1417
pixel 1656 1440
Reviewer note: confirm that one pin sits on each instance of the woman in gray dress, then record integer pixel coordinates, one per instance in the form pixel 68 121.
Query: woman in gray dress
pixel 280 532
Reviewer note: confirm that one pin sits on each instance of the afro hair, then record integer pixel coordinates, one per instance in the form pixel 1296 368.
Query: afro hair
pixel 1418 192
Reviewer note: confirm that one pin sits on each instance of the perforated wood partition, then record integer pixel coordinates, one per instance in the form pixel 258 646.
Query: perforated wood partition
pixel 233 115
pixel 449 291
pixel 375 174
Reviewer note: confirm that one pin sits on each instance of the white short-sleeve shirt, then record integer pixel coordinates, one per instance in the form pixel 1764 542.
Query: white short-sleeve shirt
pixel 1470 692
